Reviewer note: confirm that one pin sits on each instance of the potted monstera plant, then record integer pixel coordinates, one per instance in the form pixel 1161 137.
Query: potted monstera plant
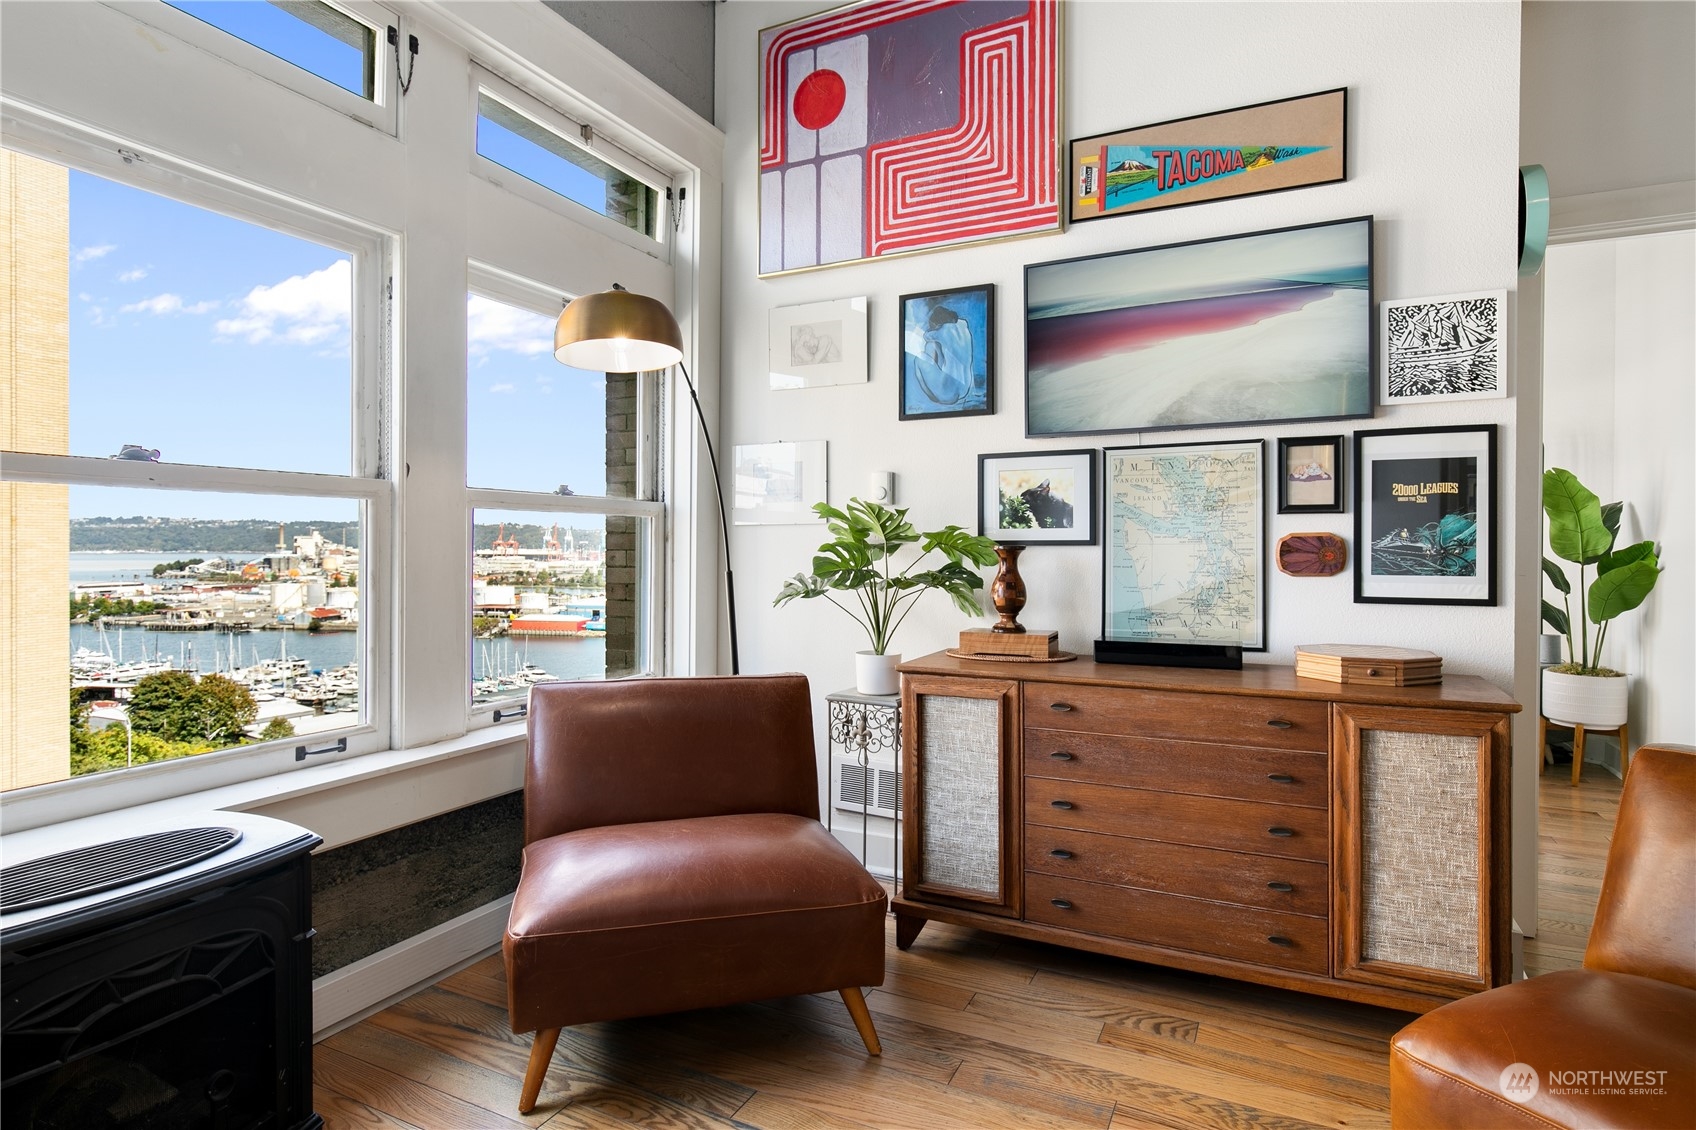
pixel 1583 531
pixel 856 571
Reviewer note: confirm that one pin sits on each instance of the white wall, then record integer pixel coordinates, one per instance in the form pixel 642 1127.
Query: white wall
pixel 1619 412
pixel 1434 142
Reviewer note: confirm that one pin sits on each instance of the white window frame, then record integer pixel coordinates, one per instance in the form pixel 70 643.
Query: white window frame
pixel 378 112
pixel 515 290
pixel 659 245
pixel 36 133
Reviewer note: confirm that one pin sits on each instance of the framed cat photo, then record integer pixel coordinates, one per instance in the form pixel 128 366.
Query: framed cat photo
pixel 1037 497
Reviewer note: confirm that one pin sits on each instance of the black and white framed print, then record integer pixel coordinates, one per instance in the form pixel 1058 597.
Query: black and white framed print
pixel 1425 515
pixel 1449 348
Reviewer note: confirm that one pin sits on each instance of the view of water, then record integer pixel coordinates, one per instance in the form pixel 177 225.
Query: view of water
pixel 214 651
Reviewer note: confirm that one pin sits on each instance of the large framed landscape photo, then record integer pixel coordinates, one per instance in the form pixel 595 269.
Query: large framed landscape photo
pixel 1268 147
pixel 1425 515
pixel 1257 328
pixel 1185 559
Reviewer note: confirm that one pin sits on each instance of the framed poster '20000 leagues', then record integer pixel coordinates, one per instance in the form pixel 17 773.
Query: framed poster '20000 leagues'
pixel 1425 516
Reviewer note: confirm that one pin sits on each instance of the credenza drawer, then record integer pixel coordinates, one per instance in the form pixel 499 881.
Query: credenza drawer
pixel 1296 886
pixel 1202 821
pixel 1275 775
pixel 1279 723
pixel 1265 937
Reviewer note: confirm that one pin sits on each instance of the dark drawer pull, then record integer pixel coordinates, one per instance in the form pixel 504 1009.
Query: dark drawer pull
pixel 1285 887
pixel 1279 940
pixel 1061 755
pixel 1060 853
pixel 1061 903
pixel 1060 803
pixel 1281 778
pixel 1280 723
pixel 1061 706
pixel 1284 833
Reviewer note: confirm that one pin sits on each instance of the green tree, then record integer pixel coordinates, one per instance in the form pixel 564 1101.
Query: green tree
pixel 112 748
pixel 158 703
pixel 218 710
pixel 276 730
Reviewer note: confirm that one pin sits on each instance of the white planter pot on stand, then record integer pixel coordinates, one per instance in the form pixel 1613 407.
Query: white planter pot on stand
pixel 875 674
pixel 1591 701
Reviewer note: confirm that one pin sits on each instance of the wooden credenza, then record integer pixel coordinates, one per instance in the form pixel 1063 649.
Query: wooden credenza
pixel 1344 840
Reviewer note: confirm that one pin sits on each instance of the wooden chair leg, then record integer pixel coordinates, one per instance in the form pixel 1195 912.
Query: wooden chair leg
pixel 1577 753
pixel 862 1018
pixel 541 1053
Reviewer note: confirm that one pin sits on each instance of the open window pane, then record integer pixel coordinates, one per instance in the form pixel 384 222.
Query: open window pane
pixel 315 37
pixel 183 623
pixel 149 328
pixel 520 143
pixel 555 596
pixel 536 425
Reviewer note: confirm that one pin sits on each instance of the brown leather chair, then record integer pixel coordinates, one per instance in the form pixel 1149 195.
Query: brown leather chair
pixel 1632 1008
pixel 674 860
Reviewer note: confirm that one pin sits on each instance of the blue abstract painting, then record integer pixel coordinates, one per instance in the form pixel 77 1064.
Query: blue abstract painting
pixel 948 353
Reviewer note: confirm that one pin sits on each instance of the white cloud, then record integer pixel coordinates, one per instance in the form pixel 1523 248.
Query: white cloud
pixel 84 296
pixel 300 310
pixel 134 274
pixel 493 326
pixel 504 386
pixel 167 304
pixel 84 254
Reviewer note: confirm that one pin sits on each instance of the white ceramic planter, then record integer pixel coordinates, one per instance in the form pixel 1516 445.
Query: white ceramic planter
pixel 1585 700
pixel 875 674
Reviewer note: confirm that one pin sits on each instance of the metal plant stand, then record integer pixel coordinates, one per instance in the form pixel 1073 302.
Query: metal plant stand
pixel 865 725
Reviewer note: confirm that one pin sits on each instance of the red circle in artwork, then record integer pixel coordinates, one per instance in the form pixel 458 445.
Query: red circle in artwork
pixel 819 99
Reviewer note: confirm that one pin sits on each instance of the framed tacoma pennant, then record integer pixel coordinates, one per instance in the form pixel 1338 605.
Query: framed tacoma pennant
pixel 1291 143
pixel 854 166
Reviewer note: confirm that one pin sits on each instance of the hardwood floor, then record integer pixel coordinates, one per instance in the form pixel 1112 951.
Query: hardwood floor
pixel 1574 828
pixel 978 1032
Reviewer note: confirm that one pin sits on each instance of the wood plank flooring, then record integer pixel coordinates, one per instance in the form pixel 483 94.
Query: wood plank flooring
pixel 979 1032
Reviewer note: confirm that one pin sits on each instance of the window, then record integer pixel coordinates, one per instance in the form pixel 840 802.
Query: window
pixel 547 156
pixel 317 38
pixel 562 532
pixel 187 544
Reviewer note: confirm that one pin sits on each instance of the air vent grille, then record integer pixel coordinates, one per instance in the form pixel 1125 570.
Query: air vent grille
pixel 101 867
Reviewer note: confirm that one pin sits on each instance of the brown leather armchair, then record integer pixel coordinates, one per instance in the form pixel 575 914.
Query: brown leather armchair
pixel 674 860
pixel 1528 1054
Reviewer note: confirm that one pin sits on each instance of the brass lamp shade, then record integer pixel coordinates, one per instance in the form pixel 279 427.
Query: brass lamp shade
pixel 616 331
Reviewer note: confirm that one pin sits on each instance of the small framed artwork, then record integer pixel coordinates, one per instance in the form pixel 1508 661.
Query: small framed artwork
pixel 948 353
pixel 777 483
pixel 818 343
pixel 1310 475
pixel 1185 559
pixel 1449 348
pixel 1425 515
pixel 1268 147
pixel 1037 497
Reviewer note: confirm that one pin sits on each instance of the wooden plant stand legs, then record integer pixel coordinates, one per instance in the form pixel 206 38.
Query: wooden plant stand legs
pixel 856 1003
pixel 541 1053
pixel 1578 749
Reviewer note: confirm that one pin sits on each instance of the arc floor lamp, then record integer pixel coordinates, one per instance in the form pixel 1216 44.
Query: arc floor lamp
pixel 616 331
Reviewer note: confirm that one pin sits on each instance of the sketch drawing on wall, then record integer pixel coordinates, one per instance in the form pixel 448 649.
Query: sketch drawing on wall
pixel 1448 348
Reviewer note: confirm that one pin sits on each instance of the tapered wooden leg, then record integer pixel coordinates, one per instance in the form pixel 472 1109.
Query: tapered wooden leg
pixel 862 1018
pixel 907 929
pixel 1624 749
pixel 1577 753
pixel 541 1052
pixel 1544 757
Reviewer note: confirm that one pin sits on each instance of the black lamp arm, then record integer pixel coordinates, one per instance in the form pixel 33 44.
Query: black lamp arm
pixel 723 523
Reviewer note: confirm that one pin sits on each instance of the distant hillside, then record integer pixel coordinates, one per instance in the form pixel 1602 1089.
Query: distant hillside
pixel 196 535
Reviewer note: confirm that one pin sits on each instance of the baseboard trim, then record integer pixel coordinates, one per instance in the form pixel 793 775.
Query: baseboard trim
pixel 371 984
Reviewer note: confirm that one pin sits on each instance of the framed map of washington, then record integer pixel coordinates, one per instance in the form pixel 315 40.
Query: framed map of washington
pixel 854 166
pixel 1186 544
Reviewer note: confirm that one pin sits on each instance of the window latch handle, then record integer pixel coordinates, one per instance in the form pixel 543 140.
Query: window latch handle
pixel 301 753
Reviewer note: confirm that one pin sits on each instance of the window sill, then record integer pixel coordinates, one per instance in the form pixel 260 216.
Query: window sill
pixel 342 801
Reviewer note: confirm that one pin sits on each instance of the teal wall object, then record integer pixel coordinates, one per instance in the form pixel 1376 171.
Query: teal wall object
pixel 1533 218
